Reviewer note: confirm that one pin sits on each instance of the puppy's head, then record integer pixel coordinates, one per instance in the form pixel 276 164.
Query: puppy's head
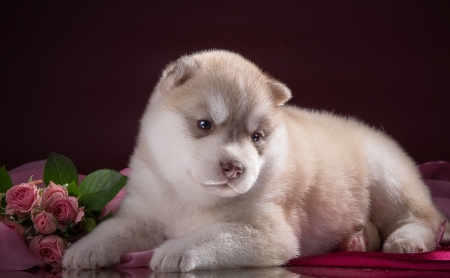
pixel 211 122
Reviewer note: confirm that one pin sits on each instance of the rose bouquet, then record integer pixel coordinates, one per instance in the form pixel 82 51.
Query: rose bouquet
pixel 50 214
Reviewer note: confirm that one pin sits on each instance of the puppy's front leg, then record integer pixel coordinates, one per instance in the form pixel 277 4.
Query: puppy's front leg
pixel 111 239
pixel 225 245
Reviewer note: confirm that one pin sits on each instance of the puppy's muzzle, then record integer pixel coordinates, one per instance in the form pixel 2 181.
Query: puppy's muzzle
pixel 232 170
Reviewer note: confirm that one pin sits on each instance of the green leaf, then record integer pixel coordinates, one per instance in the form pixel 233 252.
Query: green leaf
pixel 100 187
pixel 73 190
pixel 30 179
pixel 2 200
pixel 5 180
pixel 88 224
pixel 60 170
pixel 90 214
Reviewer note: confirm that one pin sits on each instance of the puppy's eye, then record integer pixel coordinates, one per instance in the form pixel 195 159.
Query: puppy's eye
pixel 204 124
pixel 256 137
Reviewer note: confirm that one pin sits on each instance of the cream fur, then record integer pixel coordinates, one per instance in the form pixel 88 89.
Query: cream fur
pixel 310 182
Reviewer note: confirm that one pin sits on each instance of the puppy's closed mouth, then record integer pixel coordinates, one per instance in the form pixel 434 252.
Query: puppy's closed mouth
pixel 217 184
pixel 224 186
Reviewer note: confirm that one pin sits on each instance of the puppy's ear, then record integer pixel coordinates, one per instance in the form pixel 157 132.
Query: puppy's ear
pixel 177 73
pixel 280 92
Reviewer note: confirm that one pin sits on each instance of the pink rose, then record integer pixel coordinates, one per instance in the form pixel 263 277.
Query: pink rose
pixel 44 222
pixel 52 193
pixel 50 248
pixel 22 198
pixel 66 211
pixel 16 227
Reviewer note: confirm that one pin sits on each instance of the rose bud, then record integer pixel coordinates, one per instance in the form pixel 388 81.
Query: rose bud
pixel 44 222
pixel 52 193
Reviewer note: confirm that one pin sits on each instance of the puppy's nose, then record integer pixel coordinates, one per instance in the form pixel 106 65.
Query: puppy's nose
pixel 232 170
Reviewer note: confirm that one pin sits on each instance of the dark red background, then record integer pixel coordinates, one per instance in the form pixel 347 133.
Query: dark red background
pixel 75 76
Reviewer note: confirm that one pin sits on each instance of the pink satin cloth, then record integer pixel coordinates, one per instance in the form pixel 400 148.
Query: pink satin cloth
pixel 14 254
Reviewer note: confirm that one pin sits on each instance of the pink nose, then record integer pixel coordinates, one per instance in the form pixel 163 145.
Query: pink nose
pixel 232 170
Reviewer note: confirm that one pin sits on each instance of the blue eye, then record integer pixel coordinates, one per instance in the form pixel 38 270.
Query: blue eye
pixel 204 124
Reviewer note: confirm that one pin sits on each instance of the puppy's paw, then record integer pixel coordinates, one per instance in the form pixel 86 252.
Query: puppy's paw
pixel 411 238
pixel 175 256
pixel 88 255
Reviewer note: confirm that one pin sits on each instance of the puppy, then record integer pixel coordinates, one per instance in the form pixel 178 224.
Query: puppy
pixel 225 175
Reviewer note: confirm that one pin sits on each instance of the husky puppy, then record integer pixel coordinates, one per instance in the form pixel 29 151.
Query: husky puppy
pixel 225 175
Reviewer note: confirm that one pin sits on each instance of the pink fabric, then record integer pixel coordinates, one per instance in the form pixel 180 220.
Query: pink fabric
pixel 135 259
pixel 14 255
pixel 436 260
pixel 349 272
pixel 436 170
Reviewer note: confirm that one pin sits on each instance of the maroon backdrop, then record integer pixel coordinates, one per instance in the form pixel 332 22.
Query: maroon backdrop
pixel 75 76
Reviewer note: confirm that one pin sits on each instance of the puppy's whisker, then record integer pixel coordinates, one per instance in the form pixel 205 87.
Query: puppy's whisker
pixel 193 156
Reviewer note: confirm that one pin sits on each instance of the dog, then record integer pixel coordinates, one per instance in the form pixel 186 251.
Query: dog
pixel 225 175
